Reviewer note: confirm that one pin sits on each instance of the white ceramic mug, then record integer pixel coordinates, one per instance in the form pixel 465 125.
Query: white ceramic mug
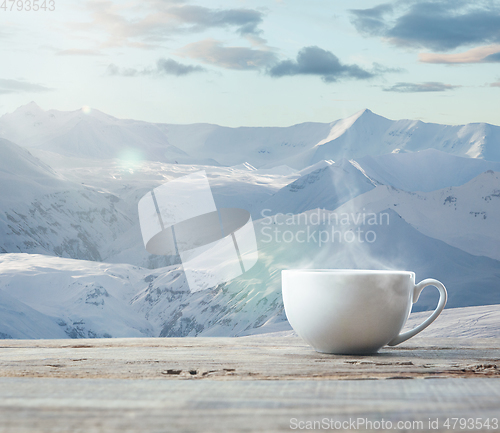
pixel 353 311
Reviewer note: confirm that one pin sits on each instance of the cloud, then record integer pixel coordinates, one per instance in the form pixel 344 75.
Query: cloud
pixel 316 61
pixel 497 84
pixel 163 67
pixel 438 25
pixel 378 69
pixel 115 70
pixel 492 58
pixel 171 67
pixel 156 21
pixel 484 54
pixel 201 18
pixel 430 86
pixel 16 86
pixel 213 52
pixel 78 52
pixel 371 21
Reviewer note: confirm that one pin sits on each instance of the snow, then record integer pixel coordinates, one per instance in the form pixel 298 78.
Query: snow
pixel 23 176
pixel 425 170
pixel 93 299
pixel 74 264
pixel 86 297
pixel 22 322
pixel 466 322
pixel 319 165
pixel 101 136
pixel 465 216
pixel 327 188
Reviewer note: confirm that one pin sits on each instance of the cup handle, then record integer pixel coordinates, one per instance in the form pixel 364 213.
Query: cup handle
pixel 443 296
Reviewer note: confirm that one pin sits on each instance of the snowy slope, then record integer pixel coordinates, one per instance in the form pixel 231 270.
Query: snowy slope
pixel 98 135
pixel 90 212
pixel 17 320
pixel 366 133
pixel 317 166
pixel 42 212
pixel 99 299
pixel 24 177
pixel 326 188
pixel 471 280
pixel 426 170
pixel 88 299
pixel 469 322
pixel 79 223
pixel 90 135
pixel 231 187
pixel 263 147
pixel 465 216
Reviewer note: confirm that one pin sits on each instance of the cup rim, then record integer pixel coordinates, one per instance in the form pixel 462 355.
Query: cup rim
pixel 348 271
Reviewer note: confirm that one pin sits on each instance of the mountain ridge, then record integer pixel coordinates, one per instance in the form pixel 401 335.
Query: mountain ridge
pixel 95 134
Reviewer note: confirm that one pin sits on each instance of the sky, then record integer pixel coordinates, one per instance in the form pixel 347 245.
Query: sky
pixel 254 63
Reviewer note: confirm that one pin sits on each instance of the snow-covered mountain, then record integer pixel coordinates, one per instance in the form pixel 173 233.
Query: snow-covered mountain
pixel 90 212
pixel 76 298
pixel 69 195
pixel 393 244
pixel 83 299
pixel 18 320
pixel 425 170
pixel 24 177
pixel 326 187
pixel 42 212
pixel 368 134
pixel 93 134
pixel 465 216
pixel 91 299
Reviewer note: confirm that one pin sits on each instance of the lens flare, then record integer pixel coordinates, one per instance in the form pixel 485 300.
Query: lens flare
pixel 86 109
pixel 131 159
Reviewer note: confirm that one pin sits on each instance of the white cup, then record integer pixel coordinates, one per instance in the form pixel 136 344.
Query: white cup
pixel 353 311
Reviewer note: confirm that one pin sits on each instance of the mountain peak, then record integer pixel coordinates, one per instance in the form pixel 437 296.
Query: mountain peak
pixel 32 105
pixel 363 112
pixel 339 127
pixel 29 109
pixel 364 115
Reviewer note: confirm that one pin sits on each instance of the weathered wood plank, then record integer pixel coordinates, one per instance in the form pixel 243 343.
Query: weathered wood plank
pixel 117 405
pixel 251 384
pixel 248 358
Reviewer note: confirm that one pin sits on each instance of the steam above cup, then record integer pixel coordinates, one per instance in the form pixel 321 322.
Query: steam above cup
pixel 353 311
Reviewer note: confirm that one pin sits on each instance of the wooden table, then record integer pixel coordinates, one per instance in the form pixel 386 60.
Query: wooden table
pixel 245 384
